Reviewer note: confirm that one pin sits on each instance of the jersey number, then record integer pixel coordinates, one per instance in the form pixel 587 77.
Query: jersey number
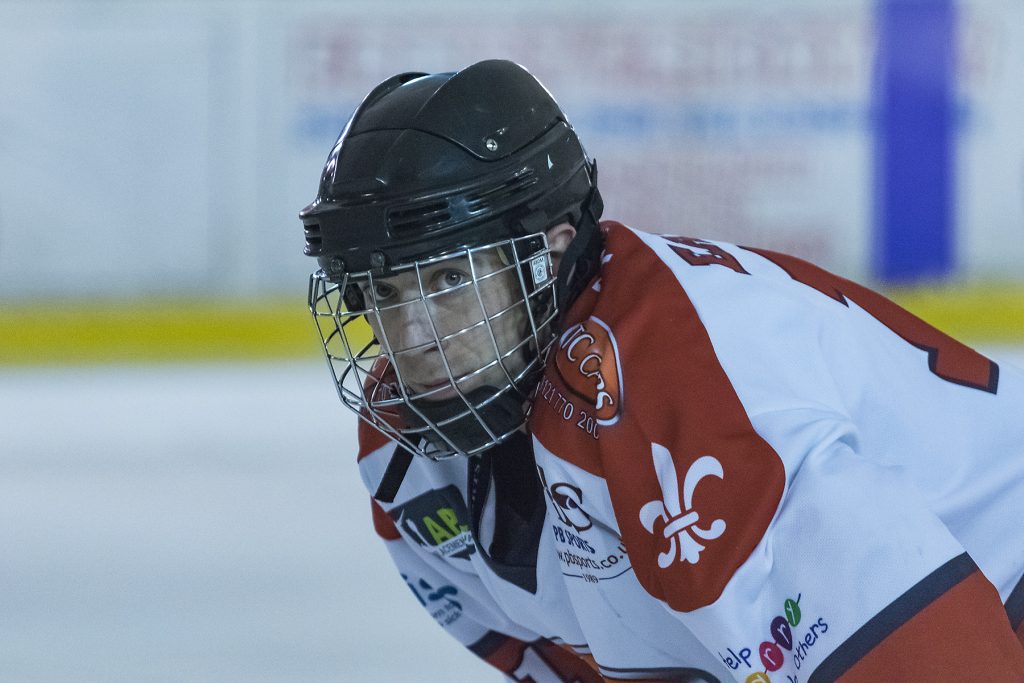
pixel 947 358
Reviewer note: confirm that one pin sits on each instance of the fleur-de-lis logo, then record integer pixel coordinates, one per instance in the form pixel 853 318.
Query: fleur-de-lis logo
pixel 680 522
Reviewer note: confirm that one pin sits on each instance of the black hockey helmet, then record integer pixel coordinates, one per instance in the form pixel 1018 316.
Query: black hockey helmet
pixel 430 163
pixel 449 167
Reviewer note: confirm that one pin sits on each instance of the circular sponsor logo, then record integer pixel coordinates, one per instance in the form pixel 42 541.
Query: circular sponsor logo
pixel 587 360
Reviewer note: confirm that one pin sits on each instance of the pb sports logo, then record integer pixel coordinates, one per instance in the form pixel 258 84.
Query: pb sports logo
pixel 568 503
pixel 587 360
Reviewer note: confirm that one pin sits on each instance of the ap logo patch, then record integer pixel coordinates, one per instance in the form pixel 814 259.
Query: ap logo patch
pixel 438 521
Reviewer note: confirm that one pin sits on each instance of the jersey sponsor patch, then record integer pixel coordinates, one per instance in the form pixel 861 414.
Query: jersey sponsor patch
pixel 586 553
pixel 789 638
pixel 438 521
pixel 441 601
pixel 587 360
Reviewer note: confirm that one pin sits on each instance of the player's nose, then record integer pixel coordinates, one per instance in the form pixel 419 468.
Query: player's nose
pixel 410 328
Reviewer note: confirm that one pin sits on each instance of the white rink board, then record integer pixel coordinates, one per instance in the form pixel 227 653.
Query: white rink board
pixel 167 147
pixel 199 522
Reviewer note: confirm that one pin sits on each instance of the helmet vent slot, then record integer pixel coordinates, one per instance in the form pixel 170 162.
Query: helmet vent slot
pixel 440 213
pixel 314 241
pixel 422 217
pixel 499 196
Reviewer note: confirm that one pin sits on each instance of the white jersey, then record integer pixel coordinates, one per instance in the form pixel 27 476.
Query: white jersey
pixel 753 470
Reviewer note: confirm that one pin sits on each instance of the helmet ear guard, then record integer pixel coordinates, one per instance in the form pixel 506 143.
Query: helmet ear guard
pixel 582 259
pixel 353 297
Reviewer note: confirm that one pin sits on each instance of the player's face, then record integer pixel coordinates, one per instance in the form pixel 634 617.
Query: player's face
pixel 460 323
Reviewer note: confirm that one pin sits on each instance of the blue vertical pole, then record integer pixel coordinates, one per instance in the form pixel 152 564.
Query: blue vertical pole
pixel 914 140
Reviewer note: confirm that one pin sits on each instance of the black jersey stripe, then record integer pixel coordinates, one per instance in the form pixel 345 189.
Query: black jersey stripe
pixel 677 674
pixel 899 612
pixel 1015 605
pixel 489 644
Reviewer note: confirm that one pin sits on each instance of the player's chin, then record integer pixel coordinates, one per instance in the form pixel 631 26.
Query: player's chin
pixel 448 390
pixel 438 395
pixel 435 392
pixel 461 385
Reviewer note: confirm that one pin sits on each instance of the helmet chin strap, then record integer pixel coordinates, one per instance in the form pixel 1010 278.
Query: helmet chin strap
pixel 394 475
pixel 503 416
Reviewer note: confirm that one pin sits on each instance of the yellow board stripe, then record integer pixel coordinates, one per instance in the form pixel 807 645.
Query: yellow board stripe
pixel 977 313
pixel 159 330
pixel 72 332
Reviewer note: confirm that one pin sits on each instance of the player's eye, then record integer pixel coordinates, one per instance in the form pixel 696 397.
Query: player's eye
pixel 449 278
pixel 381 291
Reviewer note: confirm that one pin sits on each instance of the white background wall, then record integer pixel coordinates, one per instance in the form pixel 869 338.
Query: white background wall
pixel 166 147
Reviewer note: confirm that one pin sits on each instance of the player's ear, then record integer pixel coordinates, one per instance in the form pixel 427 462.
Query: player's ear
pixel 559 238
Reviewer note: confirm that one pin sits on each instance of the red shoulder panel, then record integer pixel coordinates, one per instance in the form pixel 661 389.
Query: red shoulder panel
pixel 694 487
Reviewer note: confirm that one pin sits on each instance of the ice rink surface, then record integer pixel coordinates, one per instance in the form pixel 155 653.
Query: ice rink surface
pixel 197 523
pixel 200 523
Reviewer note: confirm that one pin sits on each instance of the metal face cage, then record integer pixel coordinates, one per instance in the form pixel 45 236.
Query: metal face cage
pixel 443 353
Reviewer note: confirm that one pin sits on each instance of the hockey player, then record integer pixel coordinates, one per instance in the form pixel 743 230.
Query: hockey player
pixel 596 453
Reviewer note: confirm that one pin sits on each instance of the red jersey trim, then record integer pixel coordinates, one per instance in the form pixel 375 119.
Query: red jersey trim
pixel 546 662
pixel 382 522
pixel 1015 606
pixel 951 626
pixel 370 439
